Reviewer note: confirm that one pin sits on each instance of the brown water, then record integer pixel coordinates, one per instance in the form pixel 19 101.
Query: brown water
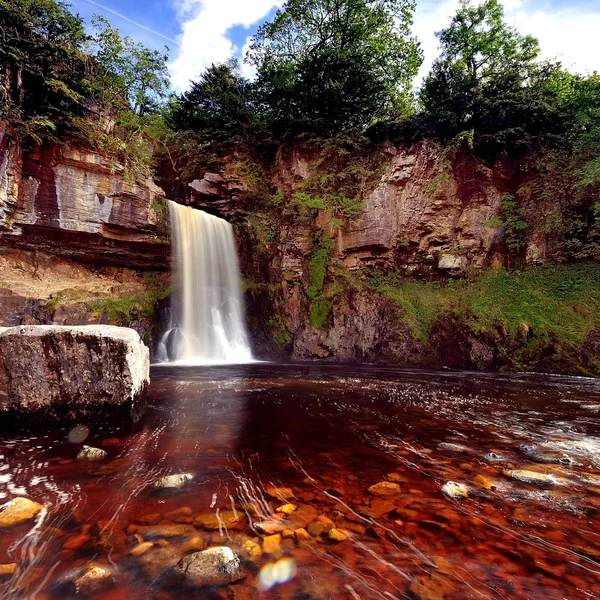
pixel 329 433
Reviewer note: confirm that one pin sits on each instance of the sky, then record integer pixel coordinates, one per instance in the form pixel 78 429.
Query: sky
pixel 202 32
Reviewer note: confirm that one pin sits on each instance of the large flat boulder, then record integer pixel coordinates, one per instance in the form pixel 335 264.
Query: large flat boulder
pixel 86 374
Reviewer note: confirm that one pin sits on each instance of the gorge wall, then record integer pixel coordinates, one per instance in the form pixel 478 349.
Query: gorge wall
pixel 404 280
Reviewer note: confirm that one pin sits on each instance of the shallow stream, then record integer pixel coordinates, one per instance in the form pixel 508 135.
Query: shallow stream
pixel 263 436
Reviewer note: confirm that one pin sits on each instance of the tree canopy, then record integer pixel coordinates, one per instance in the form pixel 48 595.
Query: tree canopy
pixel 331 65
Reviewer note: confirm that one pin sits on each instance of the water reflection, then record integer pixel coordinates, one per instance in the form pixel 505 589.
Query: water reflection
pixel 330 481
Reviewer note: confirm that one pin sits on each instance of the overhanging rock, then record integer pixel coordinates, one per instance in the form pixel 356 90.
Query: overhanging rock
pixel 89 374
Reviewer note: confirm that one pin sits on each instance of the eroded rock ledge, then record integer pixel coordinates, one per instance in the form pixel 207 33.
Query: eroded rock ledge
pixel 86 374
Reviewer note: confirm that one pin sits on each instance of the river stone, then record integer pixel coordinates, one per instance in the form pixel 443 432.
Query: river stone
pixel 455 490
pixel 535 478
pixel 173 482
pixel 167 531
pixel 91 454
pixel 93 578
pixel 85 374
pixel 212 567
pixel 385 488
pixel 19 510
pixel 8 570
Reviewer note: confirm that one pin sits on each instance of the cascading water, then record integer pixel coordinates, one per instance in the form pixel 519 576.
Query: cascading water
pixel 206 314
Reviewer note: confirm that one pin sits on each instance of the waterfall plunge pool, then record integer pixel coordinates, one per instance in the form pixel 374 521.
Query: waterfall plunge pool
pixel 261 437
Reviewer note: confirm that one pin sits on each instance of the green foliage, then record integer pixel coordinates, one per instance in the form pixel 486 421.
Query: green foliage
pixel 43 68
pixel 280 334
pixel 326 66
pixel 320 312
pixel 513 222
pixel 554 300
pixel 126 73
pixel 317 266
pixel 219 107
pixel 123 309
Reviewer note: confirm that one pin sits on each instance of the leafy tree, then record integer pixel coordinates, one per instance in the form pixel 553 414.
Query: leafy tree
pixel 219 106
pixel 327 66
pixel 488 78
pixel 42 66
pixel 127 72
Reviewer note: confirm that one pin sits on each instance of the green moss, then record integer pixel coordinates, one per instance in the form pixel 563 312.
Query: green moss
pixel 320 312
pixel 563 301
pixel 280 333
pixel 317 266
pixel 55 302
pixel 121 309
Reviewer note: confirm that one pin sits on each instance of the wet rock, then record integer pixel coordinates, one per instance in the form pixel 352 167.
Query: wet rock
pixel 225 519
pixel 8 570
pixel 94 374
pixel 246 547
pixel 279 493
pixel 93 579
pixel 213 567
pixel 431 587
pixel 385 488
pixel 173 482
pixel 91 454
pixel 167 531
pixel 19 510
pixel 397 477
pixel 321 526
pixel 535 478
pixel 302 535
pixel 287 509
pixel 455 490
pixel 271 526
pixel 486 483
pixel 380 507
pixel 194 544
pixel 179 514
pixel 155 562
pixel 272 544
pixel 335 535
pixel 151 519
pixel 141 549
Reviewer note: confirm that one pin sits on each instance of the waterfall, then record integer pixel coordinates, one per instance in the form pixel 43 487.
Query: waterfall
pixel 206 314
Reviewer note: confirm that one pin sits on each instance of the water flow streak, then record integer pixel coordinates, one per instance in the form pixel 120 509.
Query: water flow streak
pixel 207 315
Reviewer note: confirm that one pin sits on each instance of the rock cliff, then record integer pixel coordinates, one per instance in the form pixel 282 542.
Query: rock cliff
pixel 77 204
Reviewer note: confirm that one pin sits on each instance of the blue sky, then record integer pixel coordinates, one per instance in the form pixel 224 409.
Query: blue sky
pixel 200 32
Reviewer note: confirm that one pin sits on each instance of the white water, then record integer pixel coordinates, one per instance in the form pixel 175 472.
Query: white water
pixel 207 314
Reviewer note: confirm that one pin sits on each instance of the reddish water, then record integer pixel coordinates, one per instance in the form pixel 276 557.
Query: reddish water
pixel 327 432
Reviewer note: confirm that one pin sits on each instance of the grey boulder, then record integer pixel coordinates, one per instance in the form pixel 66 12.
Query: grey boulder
pixel 84 374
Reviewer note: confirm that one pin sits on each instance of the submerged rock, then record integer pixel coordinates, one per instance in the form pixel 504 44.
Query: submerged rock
pixel 8 570
pixel 223 519
pixel 535 478
pixel 385 488
pixel 455 490
pixel 91 454
pixel 93 578
pixel 167 531
pixel 19 510
pixel 212 567
pixel 91 374
pixel 173 482
pixel 279 493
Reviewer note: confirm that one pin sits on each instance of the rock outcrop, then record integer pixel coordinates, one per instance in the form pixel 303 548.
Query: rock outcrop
pixel 89 374
pixel 78 204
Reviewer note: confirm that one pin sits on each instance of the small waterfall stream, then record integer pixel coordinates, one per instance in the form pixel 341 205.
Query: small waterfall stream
pixel 207 314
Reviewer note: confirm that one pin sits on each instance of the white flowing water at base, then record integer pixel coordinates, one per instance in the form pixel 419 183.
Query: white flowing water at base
pixel 207 315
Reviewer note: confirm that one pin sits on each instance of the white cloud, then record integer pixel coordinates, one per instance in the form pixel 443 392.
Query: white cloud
pixel 569 35
pixel 204 39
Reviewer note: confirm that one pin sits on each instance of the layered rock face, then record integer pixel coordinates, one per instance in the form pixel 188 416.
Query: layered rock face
pixel 80 205
pixel 87 374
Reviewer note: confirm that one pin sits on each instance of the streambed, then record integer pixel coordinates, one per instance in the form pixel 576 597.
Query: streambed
pixel 363 456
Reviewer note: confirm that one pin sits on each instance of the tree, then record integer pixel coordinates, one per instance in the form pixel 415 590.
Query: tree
pixel 487 77
pixel 327 66
pixel 126 72
pixel 42 66
pixel 219 106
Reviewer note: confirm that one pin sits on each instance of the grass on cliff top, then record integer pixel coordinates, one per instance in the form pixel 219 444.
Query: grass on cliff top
pixel 564 300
